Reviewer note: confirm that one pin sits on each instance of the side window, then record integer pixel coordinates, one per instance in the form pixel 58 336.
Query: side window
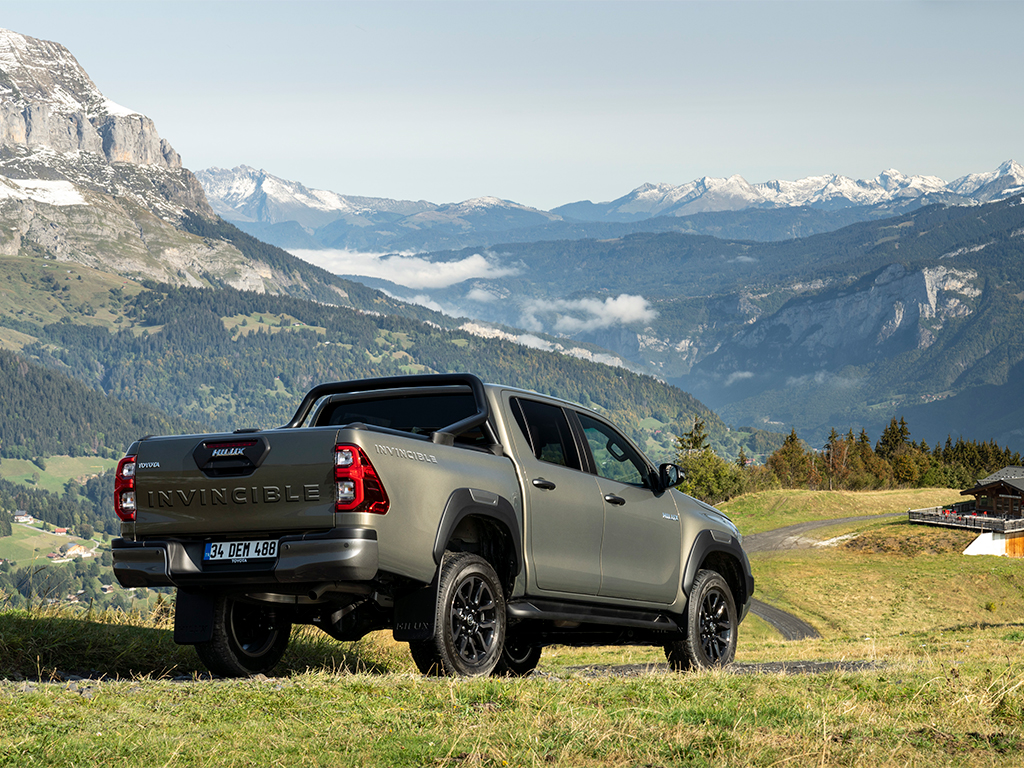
pixel 547 429
pixel 614 457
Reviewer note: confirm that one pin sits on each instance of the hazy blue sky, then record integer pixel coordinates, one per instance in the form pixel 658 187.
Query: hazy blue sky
pixel 549 103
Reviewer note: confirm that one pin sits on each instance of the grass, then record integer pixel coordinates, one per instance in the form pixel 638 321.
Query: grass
pixel 59 469
pixel 897 579
pixel 39 291
pixel 945 633
pixel 767 510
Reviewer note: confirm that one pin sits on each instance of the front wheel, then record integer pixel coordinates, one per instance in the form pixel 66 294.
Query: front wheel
pixel 469 625
pixel 517 658
pixel 247 639
pixel 711 624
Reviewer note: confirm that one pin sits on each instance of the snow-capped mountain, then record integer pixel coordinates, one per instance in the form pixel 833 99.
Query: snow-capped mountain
pixel 889 188
pixel 250 195
pixel 290 214
pixel 1007 178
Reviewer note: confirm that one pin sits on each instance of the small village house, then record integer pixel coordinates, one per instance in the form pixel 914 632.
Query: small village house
pixel 995 511
pixel 999 494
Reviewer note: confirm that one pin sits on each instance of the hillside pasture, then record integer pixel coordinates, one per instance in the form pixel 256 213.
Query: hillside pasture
pixel 59 469
pixel 28 543
pixel 924 646
pixel 767 510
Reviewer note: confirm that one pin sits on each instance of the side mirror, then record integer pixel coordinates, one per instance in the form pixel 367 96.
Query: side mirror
pixel 670 475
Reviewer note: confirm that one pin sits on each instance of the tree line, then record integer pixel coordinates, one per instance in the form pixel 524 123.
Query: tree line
pixel 845 463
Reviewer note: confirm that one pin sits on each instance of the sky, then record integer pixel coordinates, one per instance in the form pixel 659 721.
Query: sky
pixel 547 103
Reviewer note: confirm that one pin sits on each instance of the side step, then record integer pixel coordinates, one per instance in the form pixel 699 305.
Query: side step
pixel 548 610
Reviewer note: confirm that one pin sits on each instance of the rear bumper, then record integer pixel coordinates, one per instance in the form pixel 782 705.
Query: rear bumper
pixel 343 554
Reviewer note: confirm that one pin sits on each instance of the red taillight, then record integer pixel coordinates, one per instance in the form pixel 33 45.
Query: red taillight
pixel 124 489
pixel 357 487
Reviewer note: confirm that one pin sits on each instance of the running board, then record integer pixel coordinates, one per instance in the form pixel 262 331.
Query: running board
pixel 546 610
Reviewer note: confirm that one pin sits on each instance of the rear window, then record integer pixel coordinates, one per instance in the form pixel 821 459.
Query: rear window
pixel 547 429
pixel 416 414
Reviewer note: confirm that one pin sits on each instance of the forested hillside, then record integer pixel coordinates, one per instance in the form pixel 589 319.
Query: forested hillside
pixel 230 359
pixel 47 413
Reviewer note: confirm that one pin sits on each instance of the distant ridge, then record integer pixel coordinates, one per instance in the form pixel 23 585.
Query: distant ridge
pixel 294 216
pixel 830 191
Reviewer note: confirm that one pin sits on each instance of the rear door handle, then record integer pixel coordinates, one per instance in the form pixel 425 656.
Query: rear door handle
pixel 611 498
pixel 544 485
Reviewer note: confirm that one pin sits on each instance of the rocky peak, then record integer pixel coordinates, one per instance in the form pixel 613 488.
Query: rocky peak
pixel 48 101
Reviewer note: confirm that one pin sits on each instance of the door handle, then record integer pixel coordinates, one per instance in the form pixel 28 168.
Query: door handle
pixel 544 485
pixel 611 498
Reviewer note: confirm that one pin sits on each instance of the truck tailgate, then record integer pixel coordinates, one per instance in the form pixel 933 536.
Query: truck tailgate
pixel 272 481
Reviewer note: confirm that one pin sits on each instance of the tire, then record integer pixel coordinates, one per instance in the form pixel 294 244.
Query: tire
pixel 517 659
pixel 247 639
pixel 711 626
pixel 469 624
pixel 678 660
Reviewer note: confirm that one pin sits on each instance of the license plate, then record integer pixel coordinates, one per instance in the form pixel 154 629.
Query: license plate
pixel 241 551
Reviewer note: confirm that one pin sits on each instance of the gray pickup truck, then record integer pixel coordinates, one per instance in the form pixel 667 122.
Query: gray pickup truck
pixel 477 522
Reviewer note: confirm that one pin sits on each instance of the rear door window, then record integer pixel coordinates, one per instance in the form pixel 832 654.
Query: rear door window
pixel 548 431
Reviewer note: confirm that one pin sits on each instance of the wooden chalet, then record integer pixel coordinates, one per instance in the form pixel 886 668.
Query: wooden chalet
pixel 999 494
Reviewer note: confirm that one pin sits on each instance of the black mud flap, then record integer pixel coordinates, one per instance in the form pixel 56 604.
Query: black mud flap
pixel 193 618
pixel 414 614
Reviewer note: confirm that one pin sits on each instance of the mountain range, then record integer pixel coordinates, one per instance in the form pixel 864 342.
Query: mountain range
pixel 843 329
pixel 293 216
pixel 115 270
pixel 900 295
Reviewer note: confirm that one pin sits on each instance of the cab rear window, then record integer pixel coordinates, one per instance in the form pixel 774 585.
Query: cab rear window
pixel 416 414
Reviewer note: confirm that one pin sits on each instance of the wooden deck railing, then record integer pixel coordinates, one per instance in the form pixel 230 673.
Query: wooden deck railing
pixel 963 515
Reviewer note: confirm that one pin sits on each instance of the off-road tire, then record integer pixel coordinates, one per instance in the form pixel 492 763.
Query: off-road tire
pixel 711 624
pixel 469 624
pixel 517 659
pixel 678 661
pixel 247 639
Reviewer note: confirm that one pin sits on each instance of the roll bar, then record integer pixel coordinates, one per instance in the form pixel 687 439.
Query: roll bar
pixel 444 436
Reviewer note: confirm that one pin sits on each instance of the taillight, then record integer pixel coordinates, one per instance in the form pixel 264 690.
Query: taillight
pixel 357 487
pixel 124 489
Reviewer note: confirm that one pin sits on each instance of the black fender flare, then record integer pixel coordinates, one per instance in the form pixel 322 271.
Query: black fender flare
pixel 710 541
pixel 466 502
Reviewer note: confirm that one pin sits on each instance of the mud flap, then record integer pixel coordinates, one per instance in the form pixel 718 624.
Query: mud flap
pixel 414 614
pixel 193 618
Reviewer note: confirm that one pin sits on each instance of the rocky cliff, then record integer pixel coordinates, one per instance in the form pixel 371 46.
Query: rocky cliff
pixel 48 101
pixel 83 179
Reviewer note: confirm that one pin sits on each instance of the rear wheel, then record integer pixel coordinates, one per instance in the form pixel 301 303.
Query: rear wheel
pixel 247 639
pixel 711 624
pixel 469 625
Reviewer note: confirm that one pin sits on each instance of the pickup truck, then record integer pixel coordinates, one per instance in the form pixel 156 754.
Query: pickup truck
pixel 479 523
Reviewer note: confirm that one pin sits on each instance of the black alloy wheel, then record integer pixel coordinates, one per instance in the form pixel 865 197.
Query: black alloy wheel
pixel 469 625
pixel 517 658
pixel 248 639
pixel 711 626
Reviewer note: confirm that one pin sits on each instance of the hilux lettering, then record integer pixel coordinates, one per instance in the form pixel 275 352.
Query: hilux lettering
pixel 219 452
